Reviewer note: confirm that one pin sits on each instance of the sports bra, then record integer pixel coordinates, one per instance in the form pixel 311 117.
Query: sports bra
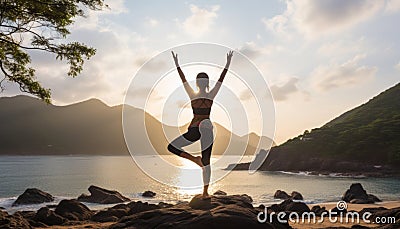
pixel 200 109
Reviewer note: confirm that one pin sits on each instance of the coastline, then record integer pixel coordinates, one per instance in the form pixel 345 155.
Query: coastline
pixel 300 225
pixel 110 209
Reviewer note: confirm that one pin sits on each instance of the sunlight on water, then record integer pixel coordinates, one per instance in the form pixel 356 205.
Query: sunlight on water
pixel 189 175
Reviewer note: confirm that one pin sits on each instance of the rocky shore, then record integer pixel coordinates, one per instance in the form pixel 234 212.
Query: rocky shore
pixel 220 210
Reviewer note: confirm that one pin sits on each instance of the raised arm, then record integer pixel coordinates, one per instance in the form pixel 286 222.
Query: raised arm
pixel 186 85
pixel 217 86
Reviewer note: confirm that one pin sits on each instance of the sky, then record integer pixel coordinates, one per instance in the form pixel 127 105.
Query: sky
pixel 318 58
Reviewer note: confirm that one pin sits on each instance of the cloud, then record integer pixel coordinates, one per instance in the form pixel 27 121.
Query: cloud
pixel 346 74
pixel 392 6
pixel 340 47
pixel 397 66
pixel 200 21
pixel 281 93
pixel 250 50
pixel 152 22
pixel 152 65
pixel 92 20
pixel 324 16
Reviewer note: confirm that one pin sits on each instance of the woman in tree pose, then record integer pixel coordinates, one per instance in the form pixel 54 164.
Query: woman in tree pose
pixel 200 128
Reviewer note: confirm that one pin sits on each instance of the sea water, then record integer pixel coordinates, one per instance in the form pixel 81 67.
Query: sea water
pixel 69 176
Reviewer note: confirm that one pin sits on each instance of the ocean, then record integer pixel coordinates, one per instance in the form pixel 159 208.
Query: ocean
pixel 70 176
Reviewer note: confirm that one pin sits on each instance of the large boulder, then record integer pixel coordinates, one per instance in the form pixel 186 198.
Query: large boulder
pixel 296 195
pixel 118 211
pixel 13 221
pixel 102 196
pixel 279 194
pixel 73 210
pixel 290 206
pixel 139 206
pixel 223 211
pixel 33 196
pixel 111 214
pixel 356 194
pixel 48 217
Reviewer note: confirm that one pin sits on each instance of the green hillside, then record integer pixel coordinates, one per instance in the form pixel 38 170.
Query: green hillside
pixel 368 133
pixel 363 140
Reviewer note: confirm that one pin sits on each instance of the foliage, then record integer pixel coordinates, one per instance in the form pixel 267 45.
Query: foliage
pixel 369 133
pixel 40 25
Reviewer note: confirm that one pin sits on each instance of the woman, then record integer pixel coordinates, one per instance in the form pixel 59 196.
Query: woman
pixel 200 128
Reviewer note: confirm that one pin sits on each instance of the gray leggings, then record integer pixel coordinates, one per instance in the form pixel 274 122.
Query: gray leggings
pixel 206 137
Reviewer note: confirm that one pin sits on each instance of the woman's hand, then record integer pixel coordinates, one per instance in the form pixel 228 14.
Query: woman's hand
pixel 175 56
pixel 229 56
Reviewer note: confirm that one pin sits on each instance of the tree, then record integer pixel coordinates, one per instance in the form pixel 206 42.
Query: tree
pixel 40 25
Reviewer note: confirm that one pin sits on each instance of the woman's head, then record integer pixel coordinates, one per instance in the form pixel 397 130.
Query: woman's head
pixel 202 81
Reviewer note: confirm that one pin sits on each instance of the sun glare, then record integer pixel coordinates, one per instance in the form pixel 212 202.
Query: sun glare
pixel 189 175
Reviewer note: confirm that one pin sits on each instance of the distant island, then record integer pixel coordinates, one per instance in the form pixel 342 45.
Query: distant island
pixel 32 127
pixel 364 140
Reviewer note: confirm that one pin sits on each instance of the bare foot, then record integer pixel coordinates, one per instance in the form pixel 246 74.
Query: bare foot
pixel 205 196
pixel 197 160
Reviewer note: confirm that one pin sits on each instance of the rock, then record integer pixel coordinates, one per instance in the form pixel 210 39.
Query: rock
pixel 139 206
pixel 337 210
pixel 111 214
pixel 360 201
pixel 293 206
pixel 279 194
pixel 357 226
pixel 73 210
pixel 357 195
pixel 296 196
pixel 149 194
pixel 48 217
pixel 164 205
pixel 33 196
pixel 219 193
pixel 395 225
pixel 356 191
pixel 102 196
pixel 373 198
pixel 386 213
pixel 249 199
pixel 371 210
pixel 13 221
pixel 318 210
pixel 220 211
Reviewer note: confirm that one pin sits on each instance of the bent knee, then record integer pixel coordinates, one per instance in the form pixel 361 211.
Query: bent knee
pixel 170 148
pixel 173 149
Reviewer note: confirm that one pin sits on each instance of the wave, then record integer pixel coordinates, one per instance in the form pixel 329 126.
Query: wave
pixel 336 175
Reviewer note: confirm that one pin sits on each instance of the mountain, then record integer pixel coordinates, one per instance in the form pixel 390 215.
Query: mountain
pixel 364 139
pixel 32 127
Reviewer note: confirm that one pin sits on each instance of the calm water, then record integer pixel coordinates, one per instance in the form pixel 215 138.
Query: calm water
pixel 70 176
